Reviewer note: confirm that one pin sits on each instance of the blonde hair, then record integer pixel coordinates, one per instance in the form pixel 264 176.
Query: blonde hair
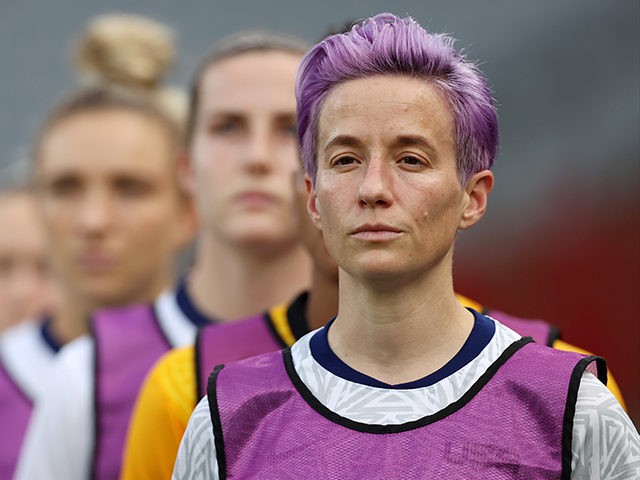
pixel 130 52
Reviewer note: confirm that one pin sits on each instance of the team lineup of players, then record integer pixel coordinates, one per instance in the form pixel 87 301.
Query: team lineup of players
pixel 325 186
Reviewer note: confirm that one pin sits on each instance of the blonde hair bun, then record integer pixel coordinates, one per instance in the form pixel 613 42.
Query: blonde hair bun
pixel 128 50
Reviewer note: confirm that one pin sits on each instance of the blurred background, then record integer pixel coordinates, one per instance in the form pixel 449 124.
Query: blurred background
pixel 561 240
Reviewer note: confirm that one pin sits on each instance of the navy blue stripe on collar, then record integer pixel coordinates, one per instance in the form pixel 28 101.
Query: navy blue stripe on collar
pixel 198 318
pixel 480 336
pixel 47 335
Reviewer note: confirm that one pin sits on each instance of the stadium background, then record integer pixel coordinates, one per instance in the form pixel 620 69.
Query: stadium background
pixel 561 240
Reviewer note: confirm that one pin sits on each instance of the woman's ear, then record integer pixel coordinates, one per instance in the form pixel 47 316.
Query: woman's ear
pixel 477 192
pixel 312 203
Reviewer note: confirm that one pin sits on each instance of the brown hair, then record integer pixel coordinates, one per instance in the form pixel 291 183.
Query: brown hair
pixel 237 44
pixel 104 99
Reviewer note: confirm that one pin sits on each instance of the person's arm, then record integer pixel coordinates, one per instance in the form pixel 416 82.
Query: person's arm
pixel 160 417
pixel 197 453
pixel 59 439
pixel 611 382
pixel 605 443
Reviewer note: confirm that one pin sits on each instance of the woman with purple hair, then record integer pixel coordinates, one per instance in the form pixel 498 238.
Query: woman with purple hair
pixel 398 132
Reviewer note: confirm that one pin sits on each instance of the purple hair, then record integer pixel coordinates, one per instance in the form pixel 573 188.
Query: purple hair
pixel 386 44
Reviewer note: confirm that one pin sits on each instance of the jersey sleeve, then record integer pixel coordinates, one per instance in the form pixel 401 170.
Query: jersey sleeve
pixel 160 417
pixel 197 454
pixel 605 444
pixel 611 381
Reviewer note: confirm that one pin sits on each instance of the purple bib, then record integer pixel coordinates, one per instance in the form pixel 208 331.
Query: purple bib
pixel 539 330
pixel 128 342
pixel 515 422
pixel 222 343
pixel 15 411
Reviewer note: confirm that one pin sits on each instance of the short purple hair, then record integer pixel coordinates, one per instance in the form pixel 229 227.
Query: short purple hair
pixel 387 44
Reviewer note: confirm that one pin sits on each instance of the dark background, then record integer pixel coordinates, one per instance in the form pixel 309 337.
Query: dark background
pixel 562 238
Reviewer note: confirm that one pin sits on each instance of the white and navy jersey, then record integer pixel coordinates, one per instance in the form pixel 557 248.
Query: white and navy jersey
pixel 26 353
pixel 605 442
pixel 67 411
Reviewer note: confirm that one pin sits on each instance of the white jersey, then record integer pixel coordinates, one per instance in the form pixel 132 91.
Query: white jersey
pixel 27 352
pixel 60 440
pixel 605 442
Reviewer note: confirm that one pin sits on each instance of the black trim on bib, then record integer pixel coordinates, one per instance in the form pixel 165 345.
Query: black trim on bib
pixel 297 316
pixel 570 408
pixel 212 398
pixel 94 437
pixel 197 347
pixel 403 427
pixel 554 334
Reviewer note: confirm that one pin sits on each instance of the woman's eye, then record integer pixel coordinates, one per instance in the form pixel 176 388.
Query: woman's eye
pixel 342 161
pixel 132 187
pixel 411 160
pixel 222 127
pixel 289 129
pixel 64 187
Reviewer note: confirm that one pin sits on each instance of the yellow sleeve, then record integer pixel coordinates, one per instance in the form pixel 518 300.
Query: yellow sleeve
pixel 559 345
pixel 611 382
pixel 160 417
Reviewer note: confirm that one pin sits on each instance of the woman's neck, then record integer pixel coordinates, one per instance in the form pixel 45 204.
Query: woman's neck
pixel 70 319
pixel 229 284
pixel 398 335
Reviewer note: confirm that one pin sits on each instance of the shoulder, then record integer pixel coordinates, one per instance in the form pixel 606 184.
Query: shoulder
pixel 612 384
pixel 197 453
pixel 256 372
pixel 23 340
pixel 174 376
pixel 176 362
pixel 605 443
pixel 62 411
pixel 24 329
pixel 160 417
pixel 25 356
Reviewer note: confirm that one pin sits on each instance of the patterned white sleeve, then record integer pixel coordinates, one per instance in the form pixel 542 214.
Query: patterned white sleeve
pixel 196 458
pixel 606 445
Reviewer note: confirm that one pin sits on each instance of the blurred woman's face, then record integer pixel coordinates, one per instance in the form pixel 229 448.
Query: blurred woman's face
pixel 111 205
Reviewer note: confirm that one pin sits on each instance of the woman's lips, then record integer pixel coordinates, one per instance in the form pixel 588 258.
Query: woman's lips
pixel 96 262
pixel 255 199
pixel 376 233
